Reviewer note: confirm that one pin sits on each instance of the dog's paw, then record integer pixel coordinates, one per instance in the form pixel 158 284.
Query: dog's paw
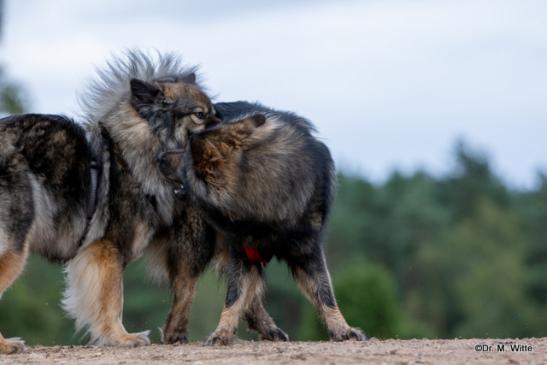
pixel 131 340
pixel 350 334
pixel 219 339
pixel 175 339
pixel 12 345
pixel 274 334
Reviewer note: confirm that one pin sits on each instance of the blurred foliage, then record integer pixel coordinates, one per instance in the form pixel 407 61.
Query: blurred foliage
pixel 459 255
pixel 12 99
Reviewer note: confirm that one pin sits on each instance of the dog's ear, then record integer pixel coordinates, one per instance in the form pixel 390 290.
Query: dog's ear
pixel 258 119
pixel 190 78
pixel 144 92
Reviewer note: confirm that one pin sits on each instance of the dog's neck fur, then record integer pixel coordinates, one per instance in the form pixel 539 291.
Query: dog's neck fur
pixel 131 135
pixel 106 103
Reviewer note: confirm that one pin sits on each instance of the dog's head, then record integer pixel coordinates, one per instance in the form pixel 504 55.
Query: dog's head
pixel 173 108
pixel 211 147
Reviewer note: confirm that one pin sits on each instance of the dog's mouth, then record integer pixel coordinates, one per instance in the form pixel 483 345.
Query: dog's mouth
pixel 213 125
pixel 213 121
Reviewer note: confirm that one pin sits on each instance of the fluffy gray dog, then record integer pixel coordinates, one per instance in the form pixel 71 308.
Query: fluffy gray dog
pixel 93 197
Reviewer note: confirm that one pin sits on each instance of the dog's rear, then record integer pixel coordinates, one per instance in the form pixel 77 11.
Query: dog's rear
pixel 43 190
pixel 44 184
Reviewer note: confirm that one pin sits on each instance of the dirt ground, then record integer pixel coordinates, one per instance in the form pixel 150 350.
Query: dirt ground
pixel 372 352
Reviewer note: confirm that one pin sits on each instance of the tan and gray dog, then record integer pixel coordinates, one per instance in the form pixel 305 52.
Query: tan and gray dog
pixel 92 196
pixel 266 182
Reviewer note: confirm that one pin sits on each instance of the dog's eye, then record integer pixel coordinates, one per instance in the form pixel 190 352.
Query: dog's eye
pixel 200 115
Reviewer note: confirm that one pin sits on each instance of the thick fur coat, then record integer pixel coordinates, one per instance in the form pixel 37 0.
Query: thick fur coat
pixel 46 173
pixel 265 181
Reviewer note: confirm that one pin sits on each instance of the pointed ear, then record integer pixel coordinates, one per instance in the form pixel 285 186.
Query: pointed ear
pixel 143 92
pixel 259 119
pixel 190 78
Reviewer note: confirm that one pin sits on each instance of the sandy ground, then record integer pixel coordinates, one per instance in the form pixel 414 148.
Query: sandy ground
pixel 370 352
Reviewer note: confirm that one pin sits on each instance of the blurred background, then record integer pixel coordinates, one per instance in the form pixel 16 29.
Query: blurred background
pixel 435 112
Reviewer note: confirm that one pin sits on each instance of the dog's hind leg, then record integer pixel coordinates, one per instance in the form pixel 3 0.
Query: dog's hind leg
pixel 11 265
pixel 244 283
pixel 260 321
pixel 312 275
pixel 94 295
pixel 255 314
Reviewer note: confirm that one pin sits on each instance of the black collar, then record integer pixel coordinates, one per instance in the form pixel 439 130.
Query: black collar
pixel 95 177
pixel 95 173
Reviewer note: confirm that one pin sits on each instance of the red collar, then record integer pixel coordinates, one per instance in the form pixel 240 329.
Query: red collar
pixel 251 251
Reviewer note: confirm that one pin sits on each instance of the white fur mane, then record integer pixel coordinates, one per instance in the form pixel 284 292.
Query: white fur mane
pixel 111 86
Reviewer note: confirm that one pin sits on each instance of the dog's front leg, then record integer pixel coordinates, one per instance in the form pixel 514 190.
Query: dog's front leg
pixel 183 285
pixel 94 295
pixel 11 266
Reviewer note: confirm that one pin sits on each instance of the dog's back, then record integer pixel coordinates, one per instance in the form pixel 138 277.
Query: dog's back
pixel 236 110
pixel 44 179
pixel 285 175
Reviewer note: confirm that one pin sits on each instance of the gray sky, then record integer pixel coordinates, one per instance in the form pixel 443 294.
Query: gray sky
pixel 390 84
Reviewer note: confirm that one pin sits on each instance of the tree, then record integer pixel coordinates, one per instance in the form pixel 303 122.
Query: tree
pixel 471 180
pixel 473 278
pixel 12 100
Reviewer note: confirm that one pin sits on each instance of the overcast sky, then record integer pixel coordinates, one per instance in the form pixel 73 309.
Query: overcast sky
pixel 390 84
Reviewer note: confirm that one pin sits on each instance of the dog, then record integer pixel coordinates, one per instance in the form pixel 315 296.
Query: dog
pixel 91 196
pixel 267 183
